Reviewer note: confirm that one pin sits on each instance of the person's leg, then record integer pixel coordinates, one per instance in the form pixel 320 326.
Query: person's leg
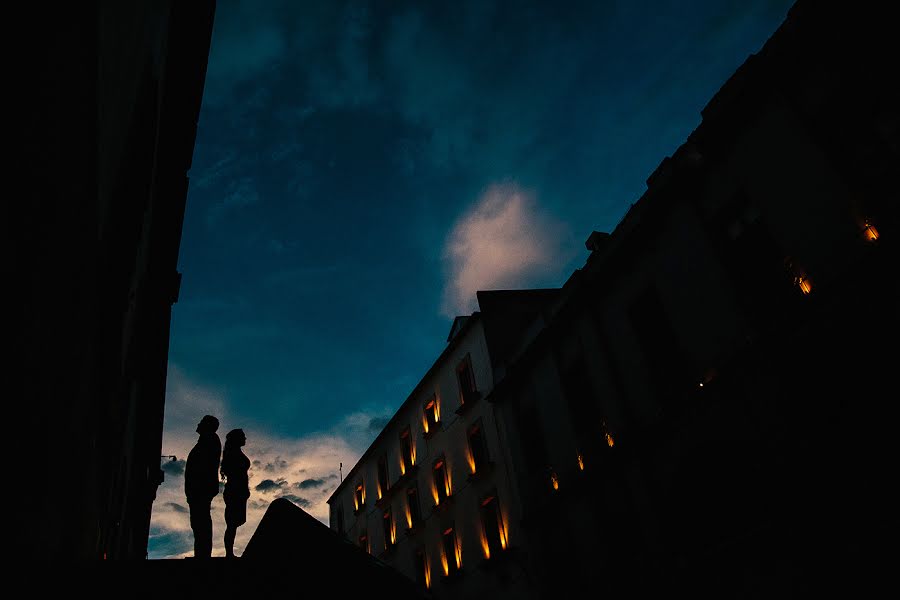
pixel 230 532
pixel 201 524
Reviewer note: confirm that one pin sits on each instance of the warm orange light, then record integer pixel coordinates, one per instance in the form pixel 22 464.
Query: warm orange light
pixel 437 409
pixel 554 481
pixel 458 552
pixel 378 485
pixel 434 492
pixel 580 462
pixel 471 460
pixel 609 440
pixel 447 486
pixel 408 515
pixel 444 563
pixel 402 465
pixel 412 452
pixel 393 531
pixel 427 572
pixel 504 535
pixel 803 283
pixel 870 232
pixel 425 423
pixel 485 547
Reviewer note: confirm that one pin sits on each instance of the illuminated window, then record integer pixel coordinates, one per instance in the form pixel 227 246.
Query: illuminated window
pixel 389 530
pixel 494 539
pixel 432 415
pixel 441 480
pixel 382 476
pixel 478 456
pixel 423 572
pixel 468 392
pixel 870 232
pixel 554 480
pixel 407 458
pixel 451 558
pixel 364 540
pixel 414 514
pixel 359 496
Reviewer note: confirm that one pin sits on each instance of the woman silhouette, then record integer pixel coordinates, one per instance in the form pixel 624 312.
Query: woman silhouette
pixel 235 465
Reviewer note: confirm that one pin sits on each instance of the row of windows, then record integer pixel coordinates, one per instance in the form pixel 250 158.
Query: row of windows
pixel 493 540
pixel 477 448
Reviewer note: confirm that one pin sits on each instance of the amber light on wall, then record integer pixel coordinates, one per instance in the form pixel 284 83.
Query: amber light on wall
pixel 870 232
pixel 803 282
pixel 580 462
pixel 610 441
pixel 408 516
pixel 554 480
pixel 485 547
pixel 471 460
pixel 359 498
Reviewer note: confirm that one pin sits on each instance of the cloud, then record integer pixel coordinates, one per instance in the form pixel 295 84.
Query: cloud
pixel 165 542
pixel 298 500
pixel 309 483
pixel 177 507
pixel 279 464
pixel 175 468
pixel 502 242
pixel 317 455
pixel 268 485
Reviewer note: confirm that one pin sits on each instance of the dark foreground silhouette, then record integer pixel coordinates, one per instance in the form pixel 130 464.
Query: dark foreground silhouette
pixel 201 483
pixel 235 466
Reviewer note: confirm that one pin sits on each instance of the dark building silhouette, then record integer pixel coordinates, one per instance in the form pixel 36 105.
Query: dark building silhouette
pixel 707 406
pixel 110 94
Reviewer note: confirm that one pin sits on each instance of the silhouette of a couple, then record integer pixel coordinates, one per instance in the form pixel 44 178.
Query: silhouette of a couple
pixel 201 484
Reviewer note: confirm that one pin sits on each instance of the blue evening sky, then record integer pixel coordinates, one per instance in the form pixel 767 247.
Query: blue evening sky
pixel 362 167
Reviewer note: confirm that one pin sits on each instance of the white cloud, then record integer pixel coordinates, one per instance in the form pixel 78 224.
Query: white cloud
pixel 312 457
pixel 502 242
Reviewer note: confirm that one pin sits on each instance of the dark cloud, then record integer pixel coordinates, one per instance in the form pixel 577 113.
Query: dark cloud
pixel 278 464
pixel 298 500
pixel 257 463
pixel 332 476
pixel 325 491
pixel 175 468
pixel 258 504
pixel 167 543
pixel 176 507
pixel 268 485
pixel 309 483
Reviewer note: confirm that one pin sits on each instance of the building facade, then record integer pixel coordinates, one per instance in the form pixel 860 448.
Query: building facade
pixel 703 406
pixel 110 97
pixel 431 496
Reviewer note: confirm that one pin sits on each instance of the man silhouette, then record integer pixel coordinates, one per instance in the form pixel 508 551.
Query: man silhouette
pixel 201 483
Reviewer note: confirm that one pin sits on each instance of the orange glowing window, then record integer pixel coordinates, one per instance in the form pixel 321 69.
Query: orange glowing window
pixel 478 454
pixel 803 282
pixel 407 456
pixel 383 480
pixel 493 532
pixel 870 232
pixel 441 480
pixel 423 570
pixel 359 496
pixel 390 532
pixel 413 510
pixel 432 415
pixel 465 376
pixel 451 559
pixel 554 480
pixel 364 540
pixel 580 461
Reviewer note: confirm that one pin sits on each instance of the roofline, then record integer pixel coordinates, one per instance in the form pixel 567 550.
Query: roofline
pixel 473 318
